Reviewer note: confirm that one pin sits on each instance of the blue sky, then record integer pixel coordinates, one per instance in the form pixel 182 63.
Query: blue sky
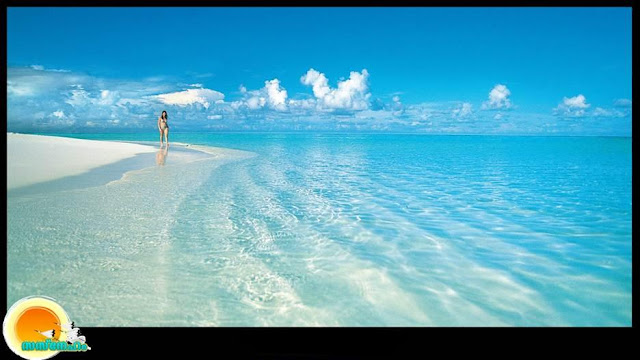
pixel 426 70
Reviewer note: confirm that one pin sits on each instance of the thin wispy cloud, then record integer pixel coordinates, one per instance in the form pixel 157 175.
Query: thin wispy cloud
pixel 622 103
pixel 41 68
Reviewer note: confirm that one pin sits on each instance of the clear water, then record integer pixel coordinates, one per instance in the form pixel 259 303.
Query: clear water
pixel 340 230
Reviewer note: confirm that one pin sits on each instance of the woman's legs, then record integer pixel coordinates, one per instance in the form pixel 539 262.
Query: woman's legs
pixel 166 135
pixel 161 138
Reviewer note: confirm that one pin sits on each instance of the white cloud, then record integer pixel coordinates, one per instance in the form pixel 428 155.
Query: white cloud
pixel 498 98
pixel 303 103
pixel 397 107
pixel 256 102
pixel 79 97
pixel 608 113
pixel 61 101
pixel 463 111
pixel 579 102
pixel 572 107
pixel 59 114
pixel 277 96
pixel 271 95
pixel 133 102
pixel 235 105
pixel 601 112
pixel 205 97
pixel 319 82
pixel 108 97
pixel 28 82
pixel 19 89
pixel 41 68
pixel 35 95
pixel 351 94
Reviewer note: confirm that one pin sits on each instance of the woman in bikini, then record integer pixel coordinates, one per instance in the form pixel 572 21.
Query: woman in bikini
pixel 163 127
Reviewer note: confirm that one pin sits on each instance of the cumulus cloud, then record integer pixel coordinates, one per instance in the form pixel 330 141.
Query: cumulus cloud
pixel 463 111
pixel 351 94
pixel 318 81
pixel 256 102
pixel 204 97
pixel 272 95
pixel 579 102
pixel 572 106
pixel 277 96
pixel 498 98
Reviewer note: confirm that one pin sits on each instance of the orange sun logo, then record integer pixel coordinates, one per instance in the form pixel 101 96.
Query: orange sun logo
pixel 37 327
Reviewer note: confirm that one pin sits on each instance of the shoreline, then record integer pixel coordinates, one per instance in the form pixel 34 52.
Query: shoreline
pixel 33 159
pixel 40 163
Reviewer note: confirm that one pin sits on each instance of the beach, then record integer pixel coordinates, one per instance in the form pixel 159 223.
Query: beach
pixel 35 159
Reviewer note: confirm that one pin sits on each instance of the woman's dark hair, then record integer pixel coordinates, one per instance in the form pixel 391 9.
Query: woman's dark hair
pixel 164 112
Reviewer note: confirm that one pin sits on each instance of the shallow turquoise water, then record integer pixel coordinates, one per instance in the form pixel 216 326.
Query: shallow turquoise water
pixel 341 230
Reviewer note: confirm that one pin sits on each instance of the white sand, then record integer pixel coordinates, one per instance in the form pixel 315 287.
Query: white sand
pixel 34 158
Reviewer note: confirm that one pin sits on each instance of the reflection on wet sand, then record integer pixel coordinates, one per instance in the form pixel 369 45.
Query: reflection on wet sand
pixel 161 155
